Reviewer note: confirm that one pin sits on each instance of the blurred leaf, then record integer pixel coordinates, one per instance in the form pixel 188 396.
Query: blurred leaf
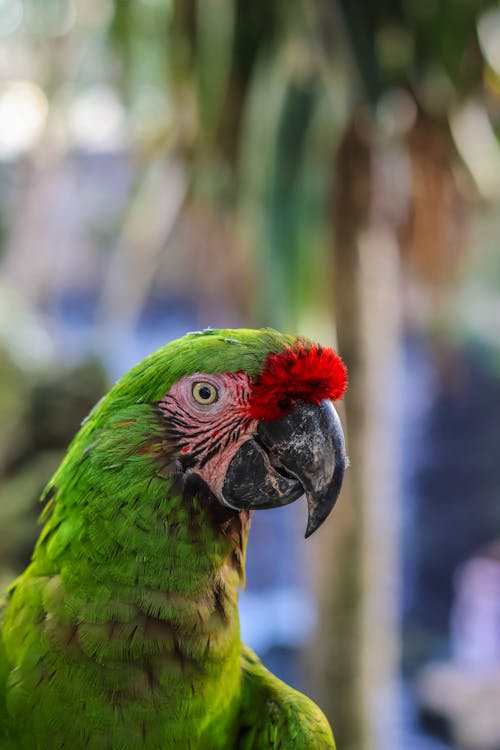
pixel 215 33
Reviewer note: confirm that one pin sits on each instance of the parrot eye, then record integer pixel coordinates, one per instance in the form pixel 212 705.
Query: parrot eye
pixel 205 393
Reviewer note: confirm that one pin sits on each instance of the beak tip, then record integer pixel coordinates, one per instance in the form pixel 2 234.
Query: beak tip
pixel 314 518
pixel 320 506
pixel 313 525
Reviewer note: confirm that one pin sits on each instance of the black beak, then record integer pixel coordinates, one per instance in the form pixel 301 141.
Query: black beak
pixel 303 452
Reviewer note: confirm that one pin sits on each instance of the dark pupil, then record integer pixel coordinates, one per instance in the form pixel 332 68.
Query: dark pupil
pixel 204 392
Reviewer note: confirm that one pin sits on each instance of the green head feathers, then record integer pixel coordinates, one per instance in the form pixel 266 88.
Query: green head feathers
pixel 210 351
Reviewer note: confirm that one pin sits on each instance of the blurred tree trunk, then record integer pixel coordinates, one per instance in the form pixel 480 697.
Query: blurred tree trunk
pixel 356 658
pixel 434 237
pixel 338 550
pixel 398 218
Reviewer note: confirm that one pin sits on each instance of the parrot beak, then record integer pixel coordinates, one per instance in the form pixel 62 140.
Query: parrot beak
pixel 302 453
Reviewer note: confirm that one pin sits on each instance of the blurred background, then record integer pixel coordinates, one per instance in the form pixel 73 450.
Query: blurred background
pixel 326 167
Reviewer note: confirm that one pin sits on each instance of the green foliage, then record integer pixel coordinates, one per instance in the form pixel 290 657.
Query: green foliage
pixel 401 42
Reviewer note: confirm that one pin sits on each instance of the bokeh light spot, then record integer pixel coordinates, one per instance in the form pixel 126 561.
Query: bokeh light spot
pixel 23 111
pixel 50 18
pixel 11 15
pixel 96 120
pixel 488 31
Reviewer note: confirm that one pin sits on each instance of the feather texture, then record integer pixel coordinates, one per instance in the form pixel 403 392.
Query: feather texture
pixel 123 632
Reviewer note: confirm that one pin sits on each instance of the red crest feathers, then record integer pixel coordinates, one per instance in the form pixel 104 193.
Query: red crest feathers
pixel 305 371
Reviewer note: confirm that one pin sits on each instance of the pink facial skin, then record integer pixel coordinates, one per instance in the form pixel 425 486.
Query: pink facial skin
pixel 209 435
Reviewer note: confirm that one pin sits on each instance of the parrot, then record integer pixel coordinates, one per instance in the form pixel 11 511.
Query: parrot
pixel 123 631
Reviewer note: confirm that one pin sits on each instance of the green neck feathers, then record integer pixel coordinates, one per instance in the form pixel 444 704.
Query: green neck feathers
pixel 141 587
pixel 120 518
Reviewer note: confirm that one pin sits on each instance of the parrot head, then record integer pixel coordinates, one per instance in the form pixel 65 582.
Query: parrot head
pixel 250 413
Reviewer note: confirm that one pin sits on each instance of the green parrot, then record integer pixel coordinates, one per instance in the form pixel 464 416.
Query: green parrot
pixel 123 632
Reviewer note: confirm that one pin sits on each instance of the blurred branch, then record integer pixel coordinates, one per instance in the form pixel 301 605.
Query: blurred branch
pixel 215 34
pixel 282 260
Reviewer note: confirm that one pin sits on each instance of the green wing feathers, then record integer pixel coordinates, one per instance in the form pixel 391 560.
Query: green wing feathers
pixel 275 716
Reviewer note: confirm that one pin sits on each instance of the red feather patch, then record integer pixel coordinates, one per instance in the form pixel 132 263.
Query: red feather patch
pixel 306 372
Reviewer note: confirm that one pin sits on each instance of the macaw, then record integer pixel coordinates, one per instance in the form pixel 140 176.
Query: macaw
pixel 123 632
